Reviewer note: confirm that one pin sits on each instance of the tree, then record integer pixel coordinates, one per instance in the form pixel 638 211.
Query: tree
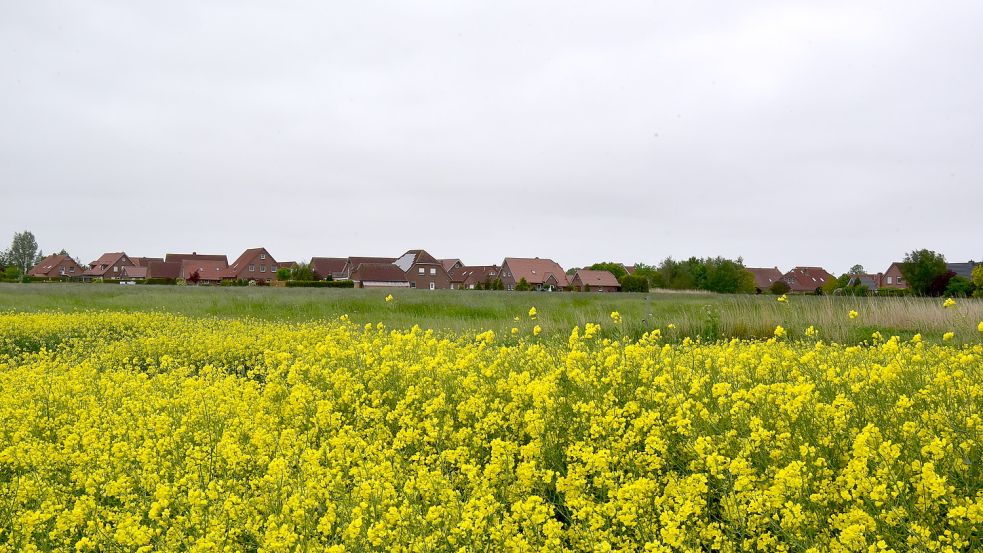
pixel 857 269
pixel 634 283
pixel 616 269
pixel 23 252
pixel 960 287
pixel 779 287
pixel 283 273
pixel 302 271
pixel 921 268
pixel 978 280
pixel 940 284
pixel 522 285
pixel 194 277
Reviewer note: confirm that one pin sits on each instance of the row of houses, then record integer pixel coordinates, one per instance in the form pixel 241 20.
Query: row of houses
pixel 413 269
pixel 808 280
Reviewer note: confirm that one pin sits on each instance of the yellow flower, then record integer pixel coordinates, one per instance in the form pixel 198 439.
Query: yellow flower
pixel 671 326
pixel 515 330
pixel 532 312
pixel 782 299
pixel 389 298
pixel 948 336
pixel 854 314
pixel 616 317
pixel 780 331
pixel 811 331
pixel 980 327
pixel 949 302
pixel 536 330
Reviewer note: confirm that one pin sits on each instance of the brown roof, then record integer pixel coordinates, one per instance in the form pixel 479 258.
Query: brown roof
pixel 450 264
pixel 764 277
pixel 356 261
pixel 630 269
pixel 378 272
pixel 144 261
pixel 179 257
pixel 163 269
pixel 46 265
pixel 239 264
pixel 474 274
pixel 101 265
pixel 596 278
pixel 328 266
pixel 806 279
pixel 208 269
pixel 134 271
pixel 536 270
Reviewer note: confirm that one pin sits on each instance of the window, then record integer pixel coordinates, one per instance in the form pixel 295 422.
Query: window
pixel 889 280
pixel 433 271
pixel 262 256
pixel 412 285
pixel 422 270
pixel 115 269
pixel 272 268
pixel 252 268
pixel 433 286
pixel 262 268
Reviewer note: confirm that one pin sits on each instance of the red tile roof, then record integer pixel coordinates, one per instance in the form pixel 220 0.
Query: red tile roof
pixel 134 271
pixel 450 264
pixel 324 267
pixel 806 279
pixel 208 269
pixel 144 261
pixel 474 274
pixel 378 272
pixel 105 261
pixel 597 278
pixel 242 262
pixel 179 257
pixel 764 277
pixel 536 270
pixel 48 264
pixel 164 269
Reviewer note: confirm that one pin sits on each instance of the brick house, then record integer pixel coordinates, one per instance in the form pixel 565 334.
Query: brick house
pixel 806 280
pixel 354 262
pixel 587 280
pixel 423 271
pixel 180 257
pixel 56 266
pixel 379 275
pixel 764 277
pixel 133 272
pixel 469 277
pixel 210 271
pixel 254 264
pixel 451 264
pixel 164 269
pixel 144 261
pixel 893 278
pixel 325 267
pixel 541 274
pixel 108 265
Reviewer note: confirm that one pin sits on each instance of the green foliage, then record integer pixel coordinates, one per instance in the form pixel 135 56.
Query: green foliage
pixel 158 280
pixel 779 287
pixel 634 283
pixel 12 273
pixel 959 287
pixel 320 284
pixel 616 269
pixel 302 272
pixel 978 280
pixel 714 274
pixel 921 268
pixel 234 282
pixel 522 285
pixel 23 253
pixel 857 269
pixel 283 273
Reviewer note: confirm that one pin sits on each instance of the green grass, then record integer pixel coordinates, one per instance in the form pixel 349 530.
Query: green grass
pixel 709 316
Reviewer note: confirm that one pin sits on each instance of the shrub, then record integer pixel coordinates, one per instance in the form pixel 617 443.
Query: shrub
pixel 779 287
pixel 978 280
pixel 959 286
pixel 233 282
pixel 320 284
pixel 522 285
pixel 894 292
pixel 632 283
pixel 159 280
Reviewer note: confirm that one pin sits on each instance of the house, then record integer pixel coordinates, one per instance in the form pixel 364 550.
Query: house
pixel 964 270
pixel 379 275
pixel 254 264
pixel 423 270
pixel 108 265
pixel 144 261
pixel 133 272
pixel 764 277
pixel 164 269
pixel 541 274
pixel 56 266
pixel 630 269
pixel 179 257
pixel 451 264
pixel 871 282
pixel 329 267
pixel 210 271
pixel 893 279
pixel 470 277
pixel 806 280
pixel 354 262
pixel 587 280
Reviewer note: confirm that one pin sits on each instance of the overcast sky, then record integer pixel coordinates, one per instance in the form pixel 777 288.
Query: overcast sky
pixel 789 133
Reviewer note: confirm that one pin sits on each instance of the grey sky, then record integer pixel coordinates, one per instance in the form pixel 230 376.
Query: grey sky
pixel 791 133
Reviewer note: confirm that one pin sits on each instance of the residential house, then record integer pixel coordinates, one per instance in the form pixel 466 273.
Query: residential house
pixel 254 264
pixel 179 257
pixel 469 277
pixel 164 269
pixel 451 264
pixel 541 274
pixel 354 262
pixel 870 281
pixel 108 265
pixel 379 275
pixel 893 279
pixel 806 280
pixel 764 277
pixel 56 266
pixel 210 271
pixel 133 272
pixel 329 267
pixel 964 270
pixel 587 280
pixel 144 261
pixel 423 271
pixel 630 269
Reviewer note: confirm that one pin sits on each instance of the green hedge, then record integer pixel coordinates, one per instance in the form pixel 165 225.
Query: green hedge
pixel 893 292
pixel 157 281
pixel 320 284
pixel 234 283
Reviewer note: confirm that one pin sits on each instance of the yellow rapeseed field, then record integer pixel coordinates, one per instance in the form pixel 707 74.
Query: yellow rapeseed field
pixel 156 432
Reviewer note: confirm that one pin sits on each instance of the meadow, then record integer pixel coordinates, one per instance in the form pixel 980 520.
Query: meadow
pixel 704 315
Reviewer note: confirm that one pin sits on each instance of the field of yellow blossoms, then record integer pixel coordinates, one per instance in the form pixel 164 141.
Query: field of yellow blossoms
pixel 157 432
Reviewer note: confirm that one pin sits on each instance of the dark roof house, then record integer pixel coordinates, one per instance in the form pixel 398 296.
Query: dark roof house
pixel 108 265
pixel 56 266
pixel 541 274
pixel 376 275
pixel 806 279
pixel 586 280
pixel 764 277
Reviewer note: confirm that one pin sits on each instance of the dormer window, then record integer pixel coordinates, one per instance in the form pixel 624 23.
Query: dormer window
pixel 262 256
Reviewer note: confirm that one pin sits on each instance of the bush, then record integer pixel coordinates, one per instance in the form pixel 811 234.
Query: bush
pixel 320 284
pixel 233 282
pixel 894 292
pixel 159 280
pixel 522 285
pixel 960 287
pixel 632 283
pixel 779 288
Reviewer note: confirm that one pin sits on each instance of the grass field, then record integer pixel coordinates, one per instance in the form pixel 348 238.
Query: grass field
pixel 708 316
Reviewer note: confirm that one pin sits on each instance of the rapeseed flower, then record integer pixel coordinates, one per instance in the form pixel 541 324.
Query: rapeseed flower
pixel 949 302
pixel 536 330
pixel 780 331
pixel 389 298
pixel 853 314
pixel 948 336
pixel 783 298
pixel 616 317
pixel 533 312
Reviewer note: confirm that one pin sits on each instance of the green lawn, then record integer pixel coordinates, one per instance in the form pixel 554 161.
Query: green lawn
pixel 710 316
